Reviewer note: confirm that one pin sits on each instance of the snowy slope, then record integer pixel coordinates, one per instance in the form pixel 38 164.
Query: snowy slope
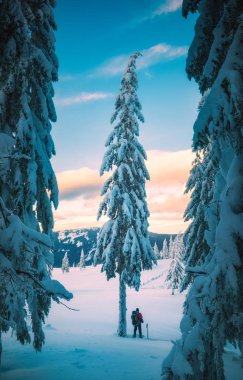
pixel 156 279
pixel 83 345
pixel 72 242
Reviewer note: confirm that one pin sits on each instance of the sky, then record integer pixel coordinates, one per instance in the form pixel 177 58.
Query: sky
pixel 93 43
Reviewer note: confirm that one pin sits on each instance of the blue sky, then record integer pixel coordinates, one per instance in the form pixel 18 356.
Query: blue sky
pixel 94 40
pixel 92 33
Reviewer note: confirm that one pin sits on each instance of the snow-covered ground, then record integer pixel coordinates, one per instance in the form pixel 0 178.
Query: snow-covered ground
pixel 84 345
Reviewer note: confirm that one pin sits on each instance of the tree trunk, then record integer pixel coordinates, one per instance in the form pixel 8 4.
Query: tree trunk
pixel 122 326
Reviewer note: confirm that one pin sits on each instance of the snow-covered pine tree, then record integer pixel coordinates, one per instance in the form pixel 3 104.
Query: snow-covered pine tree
pixel 156 251
pixel 123 244
pixel 19 279
pixel 27 182
pixel 29 66
pixel 165 250
pixel 65 263
pixel 176 272
pixel 213 309
pixel 82 260
pixel 200 184
pixel 170 249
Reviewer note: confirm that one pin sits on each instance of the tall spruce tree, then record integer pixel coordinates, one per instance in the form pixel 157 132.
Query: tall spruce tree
pixel 170 249
pixel 176 270
pixel 123 244
pixel 82 263
pixel 213 309
pixel 165 251
pixel 199 210
pixel 65 263
pixel 156 251
pixel 28 66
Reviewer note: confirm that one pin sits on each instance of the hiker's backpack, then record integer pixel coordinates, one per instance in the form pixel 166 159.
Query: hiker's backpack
pixel 134 318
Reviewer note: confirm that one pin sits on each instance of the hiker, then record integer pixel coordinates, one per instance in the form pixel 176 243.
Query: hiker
pixel 137 320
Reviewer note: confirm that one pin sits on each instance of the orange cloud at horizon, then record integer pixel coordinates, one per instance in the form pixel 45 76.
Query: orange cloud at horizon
pixel 83 181
pixel 79 193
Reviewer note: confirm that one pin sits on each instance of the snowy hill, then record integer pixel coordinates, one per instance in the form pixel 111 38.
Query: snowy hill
pixel 84 344
pixel 156 279
pixel 73 241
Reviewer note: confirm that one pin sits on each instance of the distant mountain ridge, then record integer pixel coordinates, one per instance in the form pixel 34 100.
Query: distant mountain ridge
pixel 73 241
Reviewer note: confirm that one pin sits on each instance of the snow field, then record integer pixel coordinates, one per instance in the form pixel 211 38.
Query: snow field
pixel 84 345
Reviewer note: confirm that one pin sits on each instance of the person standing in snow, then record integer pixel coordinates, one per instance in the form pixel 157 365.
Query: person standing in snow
pixel 137 320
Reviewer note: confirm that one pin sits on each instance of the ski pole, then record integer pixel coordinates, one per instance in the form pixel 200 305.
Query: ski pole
pixel 147 330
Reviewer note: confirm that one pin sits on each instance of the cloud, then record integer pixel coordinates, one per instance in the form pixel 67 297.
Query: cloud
pixel 83 97
pixel 80 193
pixel 168 6
pixel 169 168
pixel 166 199
pixel 81 182
pixel 151 56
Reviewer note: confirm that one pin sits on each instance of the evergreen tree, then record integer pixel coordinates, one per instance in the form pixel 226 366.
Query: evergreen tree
pixel 200 184
pixel 82 260
pixel 156 251
pixel 165 250
pixel 213 308
pixel 27 182
pixel 170 250
pixel 176 271
pixel 65 263
pixel 19 279
pixel 123 243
